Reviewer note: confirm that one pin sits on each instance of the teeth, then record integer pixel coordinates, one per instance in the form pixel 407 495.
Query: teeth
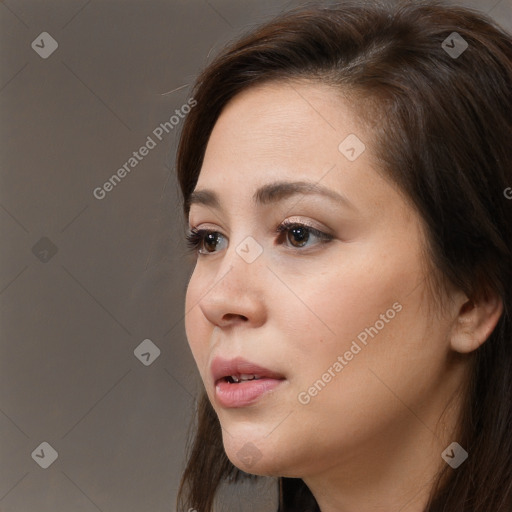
pixel 248 376
pixel 245 377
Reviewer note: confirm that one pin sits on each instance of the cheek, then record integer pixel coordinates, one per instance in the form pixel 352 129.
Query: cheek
pixel 358 380
pixel 338 306
pixel 369 319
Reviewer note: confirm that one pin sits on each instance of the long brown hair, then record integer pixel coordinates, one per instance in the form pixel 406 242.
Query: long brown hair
pixel 444 136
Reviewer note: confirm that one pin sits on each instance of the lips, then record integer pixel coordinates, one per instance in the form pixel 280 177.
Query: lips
pixel 240 369
pixel 239 382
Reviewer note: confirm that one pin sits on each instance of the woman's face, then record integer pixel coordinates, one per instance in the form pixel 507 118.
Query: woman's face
pixel 353 368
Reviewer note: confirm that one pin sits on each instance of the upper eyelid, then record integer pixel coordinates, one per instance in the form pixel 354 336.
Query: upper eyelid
pixel 290 221
pixel 284 225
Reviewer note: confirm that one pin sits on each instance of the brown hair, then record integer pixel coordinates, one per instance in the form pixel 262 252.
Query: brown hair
pixel 445 138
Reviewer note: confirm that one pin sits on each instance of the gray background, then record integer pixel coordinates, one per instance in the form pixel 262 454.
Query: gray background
pixel 70 321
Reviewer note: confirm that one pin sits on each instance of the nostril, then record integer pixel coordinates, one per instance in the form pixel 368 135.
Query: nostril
pixel 233 316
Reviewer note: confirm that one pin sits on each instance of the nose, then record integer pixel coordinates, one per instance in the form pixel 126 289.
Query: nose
pixel 236 295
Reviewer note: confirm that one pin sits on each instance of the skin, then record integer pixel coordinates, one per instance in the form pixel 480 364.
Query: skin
pixel 372 438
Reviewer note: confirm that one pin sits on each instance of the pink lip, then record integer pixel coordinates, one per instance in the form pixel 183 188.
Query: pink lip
pixel 243 393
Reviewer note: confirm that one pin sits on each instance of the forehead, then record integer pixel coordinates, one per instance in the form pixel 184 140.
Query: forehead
pixel 293 127
pixel 286 110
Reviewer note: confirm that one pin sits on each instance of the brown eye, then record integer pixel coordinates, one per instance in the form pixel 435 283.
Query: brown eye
pixel 210 241
pixel 299 236
pixel 204 241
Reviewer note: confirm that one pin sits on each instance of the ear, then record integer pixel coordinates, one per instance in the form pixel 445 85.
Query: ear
pixel 475 321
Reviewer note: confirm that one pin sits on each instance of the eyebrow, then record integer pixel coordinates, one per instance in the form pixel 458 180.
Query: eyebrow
pixel 272 193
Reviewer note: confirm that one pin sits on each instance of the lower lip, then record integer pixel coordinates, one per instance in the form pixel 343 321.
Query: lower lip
pixel 243 393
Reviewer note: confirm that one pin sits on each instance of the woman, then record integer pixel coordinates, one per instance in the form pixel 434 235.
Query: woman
pixel 344 175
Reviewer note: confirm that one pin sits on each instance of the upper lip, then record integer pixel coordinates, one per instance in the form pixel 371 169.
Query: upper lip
pixel 221 368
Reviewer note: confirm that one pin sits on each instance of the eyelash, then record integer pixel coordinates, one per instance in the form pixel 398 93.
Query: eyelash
pixel 195 237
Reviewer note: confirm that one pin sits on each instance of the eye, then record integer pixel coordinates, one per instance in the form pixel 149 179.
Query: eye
pixel 202 240
pixel 300 234
pixel 205 241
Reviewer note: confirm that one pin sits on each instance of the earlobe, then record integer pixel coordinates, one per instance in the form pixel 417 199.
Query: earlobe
pixel 475 321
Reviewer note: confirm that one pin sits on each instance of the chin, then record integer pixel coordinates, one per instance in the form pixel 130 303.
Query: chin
pixel 249 461
pixel 258 456
pixel 252 453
